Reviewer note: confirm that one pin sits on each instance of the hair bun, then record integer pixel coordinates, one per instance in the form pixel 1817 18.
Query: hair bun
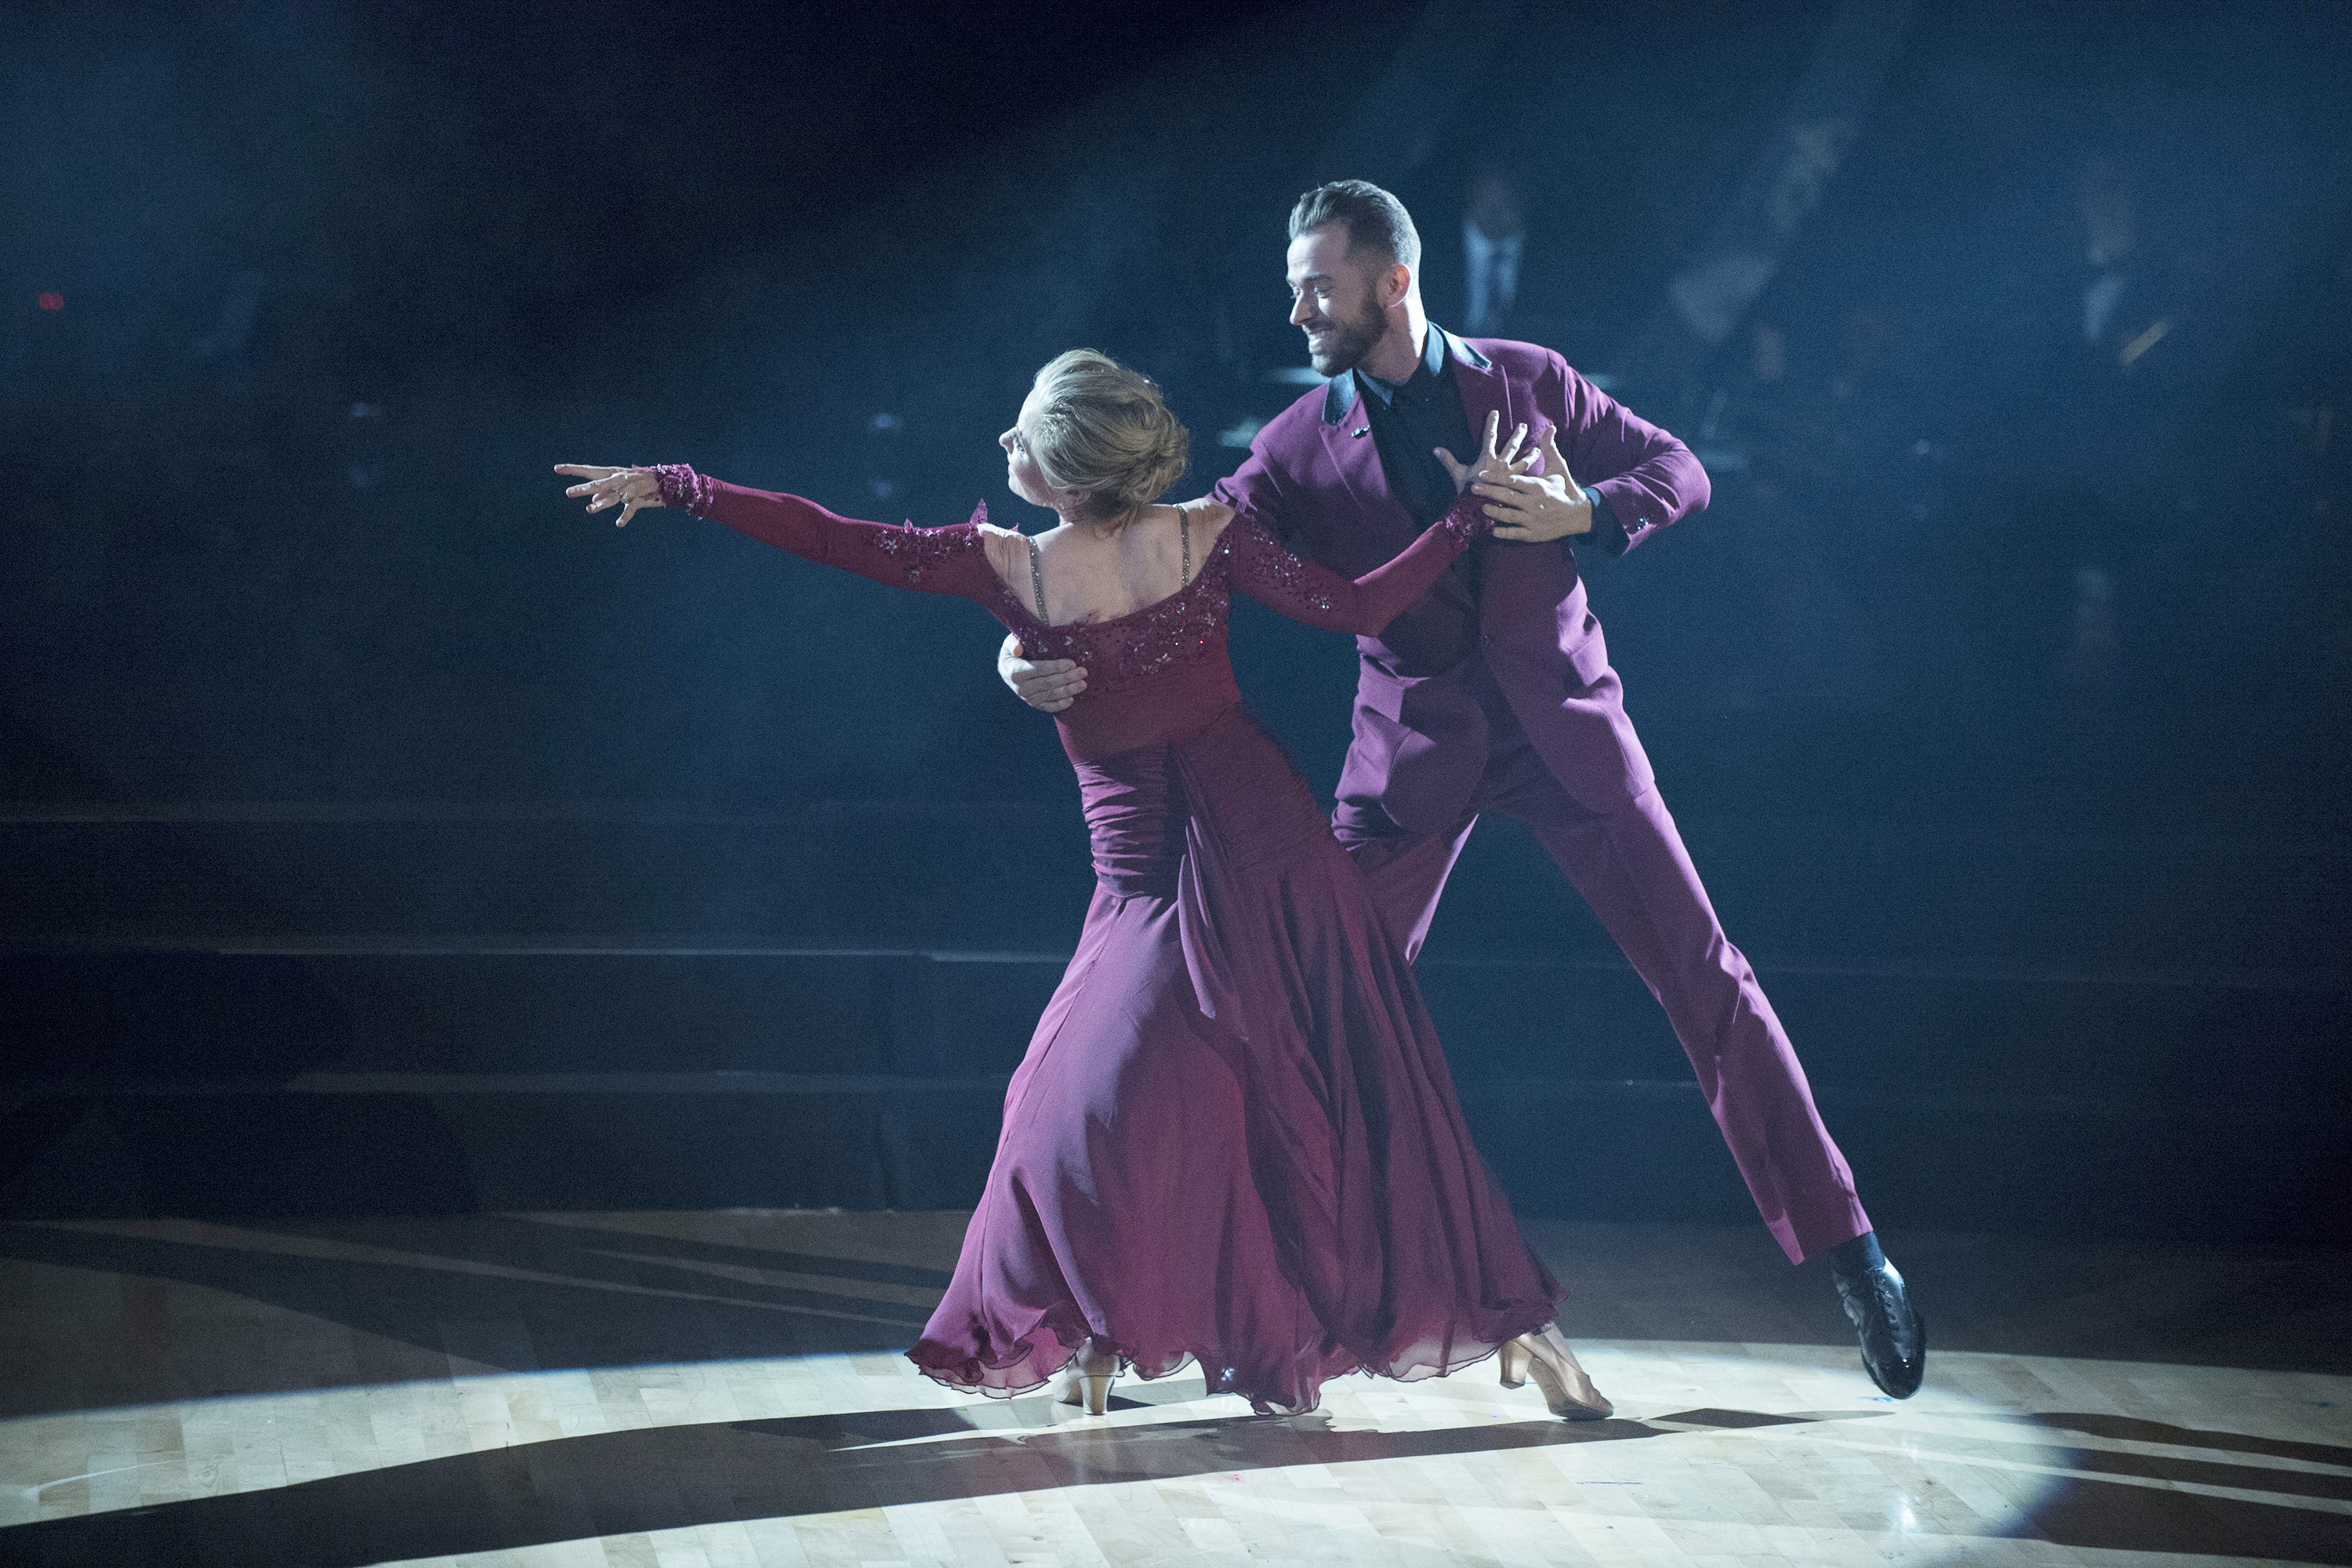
pixel 1103 431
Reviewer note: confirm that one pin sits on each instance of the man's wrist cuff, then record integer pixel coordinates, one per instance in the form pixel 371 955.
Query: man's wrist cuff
pixel 1608 533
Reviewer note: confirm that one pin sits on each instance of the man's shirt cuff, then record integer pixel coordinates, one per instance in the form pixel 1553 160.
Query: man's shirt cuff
pixel 1608 534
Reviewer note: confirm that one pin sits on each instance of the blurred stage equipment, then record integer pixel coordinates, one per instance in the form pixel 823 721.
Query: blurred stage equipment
pixel 1729 270
pixel 365 449
pixel 2129 353
pixel 885 456
pixel 227 344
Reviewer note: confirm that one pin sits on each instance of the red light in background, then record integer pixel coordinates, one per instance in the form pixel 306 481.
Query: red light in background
pixel 50 301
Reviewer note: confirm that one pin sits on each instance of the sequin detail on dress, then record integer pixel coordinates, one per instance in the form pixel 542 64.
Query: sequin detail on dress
pixel 1189 625
pixel 684 488
pixel 916 550
pixel 1192 624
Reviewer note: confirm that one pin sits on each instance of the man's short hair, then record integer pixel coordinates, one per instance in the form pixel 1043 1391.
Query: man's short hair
pixel 1378 225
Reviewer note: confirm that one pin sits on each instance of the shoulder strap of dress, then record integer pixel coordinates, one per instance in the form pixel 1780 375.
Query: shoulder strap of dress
pixel 1184 541
pixel 1036 578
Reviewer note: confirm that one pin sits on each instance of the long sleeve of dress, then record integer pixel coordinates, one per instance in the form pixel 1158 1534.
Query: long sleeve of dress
pixel 1319 597
pixel 927 560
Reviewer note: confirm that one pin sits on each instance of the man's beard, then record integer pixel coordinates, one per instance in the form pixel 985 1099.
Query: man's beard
pixel 1347 343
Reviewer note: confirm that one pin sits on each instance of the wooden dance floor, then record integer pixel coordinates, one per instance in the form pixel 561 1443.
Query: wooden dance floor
pixel 724 1389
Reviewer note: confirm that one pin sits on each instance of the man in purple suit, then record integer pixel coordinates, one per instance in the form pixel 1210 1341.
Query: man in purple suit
pixel 1494 694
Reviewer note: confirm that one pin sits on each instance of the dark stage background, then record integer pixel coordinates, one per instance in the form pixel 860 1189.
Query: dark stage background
pixel 380 833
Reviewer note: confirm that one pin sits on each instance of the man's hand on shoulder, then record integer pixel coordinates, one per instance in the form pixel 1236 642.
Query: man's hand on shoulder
pixel 1531 508
pixel 1048 685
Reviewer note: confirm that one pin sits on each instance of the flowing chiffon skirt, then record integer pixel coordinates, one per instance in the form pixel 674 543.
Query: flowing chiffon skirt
pixel 1234 1136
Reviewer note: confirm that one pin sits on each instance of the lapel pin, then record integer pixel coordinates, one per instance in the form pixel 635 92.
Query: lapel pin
pixel 1360 431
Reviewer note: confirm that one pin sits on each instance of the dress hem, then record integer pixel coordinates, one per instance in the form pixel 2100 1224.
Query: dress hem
pixel 952 1369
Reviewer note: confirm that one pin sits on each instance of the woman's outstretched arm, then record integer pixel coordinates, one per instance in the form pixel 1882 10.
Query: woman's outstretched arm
pixel 1319 596
pixel 928 560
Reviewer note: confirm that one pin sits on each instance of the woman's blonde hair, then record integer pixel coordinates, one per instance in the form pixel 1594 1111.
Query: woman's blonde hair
pixel 1104 432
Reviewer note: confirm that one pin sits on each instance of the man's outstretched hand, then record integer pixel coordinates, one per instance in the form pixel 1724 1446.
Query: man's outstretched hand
pixel 1533 509
pixel 1048 685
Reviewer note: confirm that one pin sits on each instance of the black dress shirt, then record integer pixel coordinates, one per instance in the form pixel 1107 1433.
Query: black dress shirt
pixel 1410 417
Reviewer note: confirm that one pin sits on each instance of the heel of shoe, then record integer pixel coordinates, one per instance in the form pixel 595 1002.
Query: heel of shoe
pixel 1559 1396
pixel 1086 1380
pixel 1514 1365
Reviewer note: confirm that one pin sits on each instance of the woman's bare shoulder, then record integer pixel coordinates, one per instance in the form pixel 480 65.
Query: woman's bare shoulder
pixel 1210 518
pixel 1008 552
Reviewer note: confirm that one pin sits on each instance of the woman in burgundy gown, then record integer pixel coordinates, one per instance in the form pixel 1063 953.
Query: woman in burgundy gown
pixel 1234 1136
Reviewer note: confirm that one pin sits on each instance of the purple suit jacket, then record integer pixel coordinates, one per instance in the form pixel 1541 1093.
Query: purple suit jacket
pixel 1422 735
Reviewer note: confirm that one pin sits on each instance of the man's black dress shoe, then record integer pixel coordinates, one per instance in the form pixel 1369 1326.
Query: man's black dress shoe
pixel 1893 1340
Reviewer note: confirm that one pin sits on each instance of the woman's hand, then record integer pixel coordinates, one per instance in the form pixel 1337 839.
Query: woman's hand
pixel 632 489
pixel 1493 467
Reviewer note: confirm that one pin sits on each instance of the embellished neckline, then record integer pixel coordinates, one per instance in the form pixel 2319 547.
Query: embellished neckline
pixel 1012 596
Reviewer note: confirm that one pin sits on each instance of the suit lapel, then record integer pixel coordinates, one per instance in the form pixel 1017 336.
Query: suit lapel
pixel 1484 389
pixel 1358 458
pixel 1377 526
pixel 1386 528
pixel 1520 584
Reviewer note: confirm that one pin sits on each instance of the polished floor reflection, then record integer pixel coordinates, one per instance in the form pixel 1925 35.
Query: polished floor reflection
pixel 723 1389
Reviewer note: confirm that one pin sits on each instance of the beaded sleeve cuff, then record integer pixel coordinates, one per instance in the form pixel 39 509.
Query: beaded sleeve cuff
pixel 1465 522
pixel 684 488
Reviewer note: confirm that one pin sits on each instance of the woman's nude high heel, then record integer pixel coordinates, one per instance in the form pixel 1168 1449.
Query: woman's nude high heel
pixel 1566 1389
pixel 1087 1382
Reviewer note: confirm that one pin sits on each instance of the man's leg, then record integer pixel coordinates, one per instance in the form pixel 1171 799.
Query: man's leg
pixel 1632 867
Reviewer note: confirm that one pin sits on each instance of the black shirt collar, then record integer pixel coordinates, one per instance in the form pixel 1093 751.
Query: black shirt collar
pixel 1427 376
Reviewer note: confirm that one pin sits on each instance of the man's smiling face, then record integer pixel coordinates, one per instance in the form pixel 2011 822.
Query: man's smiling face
pixel 1334 300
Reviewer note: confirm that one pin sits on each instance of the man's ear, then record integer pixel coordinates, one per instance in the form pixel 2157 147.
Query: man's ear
pixel 1395 285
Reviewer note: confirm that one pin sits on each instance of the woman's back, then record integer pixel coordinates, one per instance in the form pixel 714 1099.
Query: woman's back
pixel 1076 574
